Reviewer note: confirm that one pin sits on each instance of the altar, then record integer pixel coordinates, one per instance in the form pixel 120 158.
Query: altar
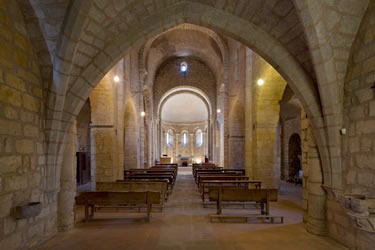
pixel 184 160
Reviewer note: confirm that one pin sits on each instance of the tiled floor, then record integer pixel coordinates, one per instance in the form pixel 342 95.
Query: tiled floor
pixel 184 224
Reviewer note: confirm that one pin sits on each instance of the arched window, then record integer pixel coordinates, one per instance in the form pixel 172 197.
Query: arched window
pixel 199 138
pixel 169 139
pixel 184 139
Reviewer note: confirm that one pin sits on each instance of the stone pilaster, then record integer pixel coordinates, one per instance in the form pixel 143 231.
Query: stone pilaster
pixel 65 211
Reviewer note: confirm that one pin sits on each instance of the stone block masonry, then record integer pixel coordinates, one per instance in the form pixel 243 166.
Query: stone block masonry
pixel 22 145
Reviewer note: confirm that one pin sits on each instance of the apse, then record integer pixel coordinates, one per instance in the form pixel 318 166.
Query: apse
pixel 184 108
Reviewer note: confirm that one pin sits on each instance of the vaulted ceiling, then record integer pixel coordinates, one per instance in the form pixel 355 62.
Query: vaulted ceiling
pixel 176 110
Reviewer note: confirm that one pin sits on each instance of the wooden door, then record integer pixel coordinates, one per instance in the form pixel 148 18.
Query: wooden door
pixel 83 168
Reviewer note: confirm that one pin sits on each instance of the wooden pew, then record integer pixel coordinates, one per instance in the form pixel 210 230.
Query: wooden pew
pixel 156 175
pixel 221 177
pixel 139 186
pixel 206 166
pixel 206 185
pixel 262 196
pixel 196 165
pixel 197 170
pixel 240 172
pixel 172 166
pixel 166 181
pixel 149 170
pixel 92 199
pixel 151 177
pixel 167 164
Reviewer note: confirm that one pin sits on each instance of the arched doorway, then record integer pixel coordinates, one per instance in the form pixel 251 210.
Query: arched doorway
pixel 184 120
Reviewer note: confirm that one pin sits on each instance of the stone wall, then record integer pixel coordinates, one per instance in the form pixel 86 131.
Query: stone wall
pixel 108 117
pixel 236 105
pixel 199 75
pixel 266 108
pixel 130 136
pixel 191 149
pixel 22 147
pixel 359 142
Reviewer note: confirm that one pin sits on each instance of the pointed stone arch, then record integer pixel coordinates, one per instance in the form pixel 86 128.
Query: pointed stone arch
pixel 70 102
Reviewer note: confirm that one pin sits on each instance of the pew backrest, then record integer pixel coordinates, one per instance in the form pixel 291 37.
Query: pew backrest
pixel 117 198
pixel 256 195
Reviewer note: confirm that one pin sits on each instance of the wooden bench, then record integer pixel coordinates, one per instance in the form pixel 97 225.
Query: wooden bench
pixel 139 186
pixel 148 170
pixel 92 199
pixel 261 196
pixel 171 166
pixel 166 181
pixel 205 186
pixel 206 166
pixel 218 173
pixel 167 178
pixel 151 176
pixel 221 177
pixel 218 170
pixel 195 170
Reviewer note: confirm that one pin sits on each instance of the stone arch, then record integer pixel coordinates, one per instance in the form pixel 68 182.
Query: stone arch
pixel 130 137
pixel 294 155
pixel 186 12
pixel 330 48
pixel 144 51
pixel 184 89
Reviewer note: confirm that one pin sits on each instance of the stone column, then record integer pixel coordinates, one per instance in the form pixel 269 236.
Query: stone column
pixel 205 152
pixel 165 143
pixel 249 115
pixel 192 145
pixel 177 146
pixel 68 182
pixel 316 212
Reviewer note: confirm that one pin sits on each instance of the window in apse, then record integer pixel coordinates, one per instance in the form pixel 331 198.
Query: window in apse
pixel 169 139
pixel 184 139
pixel 199 138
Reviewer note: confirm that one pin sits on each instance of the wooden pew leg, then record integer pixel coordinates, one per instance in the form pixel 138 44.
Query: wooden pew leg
pixel 149 208
pixel 92 211
pixel 219 205
pixel 86 219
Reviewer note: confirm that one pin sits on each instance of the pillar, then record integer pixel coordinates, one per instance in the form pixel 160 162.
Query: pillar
pixel 316 213
pixel 68 182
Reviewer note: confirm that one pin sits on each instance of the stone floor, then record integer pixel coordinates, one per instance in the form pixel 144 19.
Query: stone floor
pixel 184 224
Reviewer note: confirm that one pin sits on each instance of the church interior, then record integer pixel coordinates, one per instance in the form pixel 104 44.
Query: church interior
pixel 187 124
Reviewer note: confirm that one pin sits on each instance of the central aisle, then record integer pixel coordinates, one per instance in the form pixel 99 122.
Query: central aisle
pixel 184 224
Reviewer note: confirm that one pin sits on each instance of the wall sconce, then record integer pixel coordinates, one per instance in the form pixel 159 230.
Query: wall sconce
pixel 218 111
pixel 116 78
pixel 260 82
pixel 143 114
